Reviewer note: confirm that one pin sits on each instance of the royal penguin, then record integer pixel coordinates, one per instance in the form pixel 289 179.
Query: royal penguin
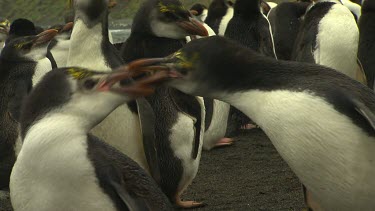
pixel 61 166
pixel 366 49
pixel 90 48
pixel 4 30
pixel 329 36
pixel 320 120
pixel 59 47
pixel 180 117
pixel 251 28
pixel 353 7
pixel 199 11
pixel 219 14
pixel 285 20
pixel 17 65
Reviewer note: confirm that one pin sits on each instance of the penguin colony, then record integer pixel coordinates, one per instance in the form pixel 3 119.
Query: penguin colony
pixel 88 126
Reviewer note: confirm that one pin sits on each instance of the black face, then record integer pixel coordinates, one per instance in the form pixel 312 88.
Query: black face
pixel 218 8
pixel 171 11
pixel 17 48
pixel 89 10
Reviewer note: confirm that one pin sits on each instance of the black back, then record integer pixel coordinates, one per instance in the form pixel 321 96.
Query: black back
pixel 306 38
pixel 166 102
pixel 249 27
pixel 252 71
pixel 366 49
pixel 216 11
pixel 15 83
pixel 117 174
pixel 285 20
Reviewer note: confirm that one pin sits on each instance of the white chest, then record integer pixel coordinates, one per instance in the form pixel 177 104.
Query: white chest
pixel 225 20
pixel 329 154
pixel 337 41
pixel 60 52
pixel 43 67
pixel 53 172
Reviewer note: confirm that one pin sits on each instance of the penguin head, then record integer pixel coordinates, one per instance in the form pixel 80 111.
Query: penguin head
pixel 197 9
pixel 203 67
pixel 4 28
pixel 81 93
pixel 247 8
pixel 168 19
pixel 218 8
pixel 28 48
pixel 91 11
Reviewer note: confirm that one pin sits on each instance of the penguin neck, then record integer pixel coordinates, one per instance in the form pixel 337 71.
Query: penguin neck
pixel 86 45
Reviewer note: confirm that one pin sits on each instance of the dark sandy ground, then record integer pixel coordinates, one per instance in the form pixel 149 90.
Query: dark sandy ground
pixel 250 175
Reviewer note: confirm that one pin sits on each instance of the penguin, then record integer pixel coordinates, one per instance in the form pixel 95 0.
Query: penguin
pixel 219 13
pixel 4 30
pixel 61 166
pixel 17 65
pixel 200 11
pixel 59 47
pixel 353 7
pixel 251 28
pixel 180 118
pixel 285 20
pixel 320 120
pixel 316 44
pixel 366 48
pixel 126 128
pixel 20 27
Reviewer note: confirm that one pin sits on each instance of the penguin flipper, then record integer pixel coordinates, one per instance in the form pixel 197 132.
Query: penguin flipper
pixel 189 105
pixel 147 121
pixel 365 112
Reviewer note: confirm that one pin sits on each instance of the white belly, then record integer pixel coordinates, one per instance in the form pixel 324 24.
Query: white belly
pixel 218 124
pixel 60 52
pixel 55 174
pixel 225 20
pixel 337 41
pixel 329 154
pixel 43 67
pixel 182 138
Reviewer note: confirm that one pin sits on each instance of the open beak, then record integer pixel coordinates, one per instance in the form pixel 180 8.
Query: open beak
pixel 193 27
pixel 45 37
pixel 139 87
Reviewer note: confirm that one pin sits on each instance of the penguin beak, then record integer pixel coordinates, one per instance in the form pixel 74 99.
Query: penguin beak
pixel 45 37
pixel 194 12
pixel 143 86
pixel 67 27
pixel 111 4
pixel 193 27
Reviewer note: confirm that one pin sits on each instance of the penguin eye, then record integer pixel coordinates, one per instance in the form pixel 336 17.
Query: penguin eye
pixel 90 83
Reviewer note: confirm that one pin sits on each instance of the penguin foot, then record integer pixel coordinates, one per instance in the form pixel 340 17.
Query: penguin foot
pixel 189 204
pixel 224 142
pixel 248 126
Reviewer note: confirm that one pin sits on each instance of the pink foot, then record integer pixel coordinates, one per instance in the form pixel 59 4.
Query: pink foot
pixel 189 204
pixel 224 142
pixel 248 126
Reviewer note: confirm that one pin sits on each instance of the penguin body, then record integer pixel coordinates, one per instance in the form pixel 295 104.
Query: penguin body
pixel 59 47
pixel 353 7
pixel 219 14
pixel 285 20
pixel 180 117
pixel 331 153
pixel 366 48
pixel 316 44
pixel 17 65
pixel 250 27
pixel 90 48
pixel 54 131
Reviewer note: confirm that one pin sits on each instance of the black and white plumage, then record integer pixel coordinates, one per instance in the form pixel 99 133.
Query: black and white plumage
pixel 200 11
pixel 180 117
pixel 366 49
pixel 63 167
pixel 18 61
pixel 315 43
pixel 90 48
pixel 285 20
pixel 59 47
pixel 219 14
pixel 320 121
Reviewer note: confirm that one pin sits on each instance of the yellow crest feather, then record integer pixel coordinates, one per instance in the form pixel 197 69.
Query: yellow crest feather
pixel 79 73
